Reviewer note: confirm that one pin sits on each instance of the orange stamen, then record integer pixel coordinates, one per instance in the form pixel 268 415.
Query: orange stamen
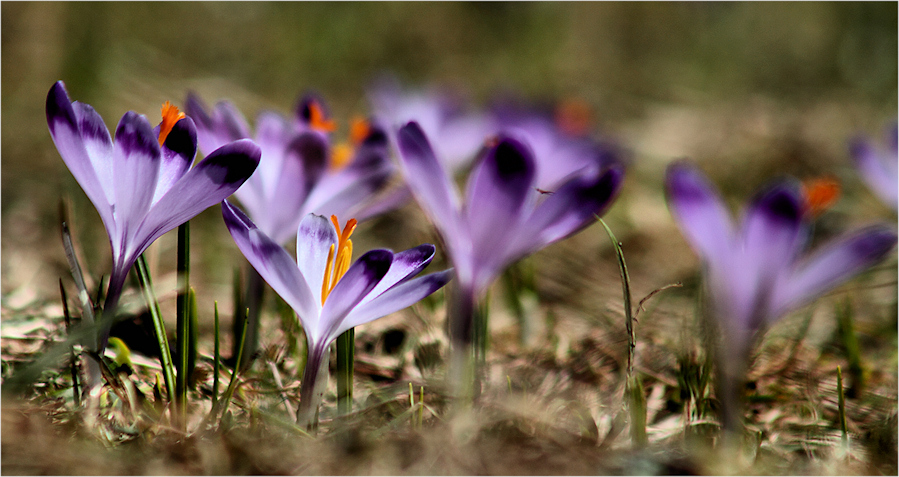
pixel 574 117
pixel 170 116
pixel 338 256
pixel 820 194
pixel 317 119
pixel 359 130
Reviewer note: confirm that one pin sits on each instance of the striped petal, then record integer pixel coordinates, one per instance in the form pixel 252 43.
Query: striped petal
pixel 353 287
pixel 315 236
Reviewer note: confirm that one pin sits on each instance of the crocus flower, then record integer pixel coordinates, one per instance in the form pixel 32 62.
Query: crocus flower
pixel 328 294
pixel 301 171
pixel 142 185
pixel 561 149
pixel 503 216
pixel 456 133
pixel 878 166
pixel 757 272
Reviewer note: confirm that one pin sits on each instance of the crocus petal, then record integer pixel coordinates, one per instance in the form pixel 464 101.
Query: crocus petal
pixel 359 281
pixel 569 209
pixel 831 266
pixel 178 154
pixel 315 236
pixel 395 299
pixel 224 125
pixel 213 179
pixel 699 212
pixel 85 146
pixel 344 192
pixel 428 181
pixel 274 265
pixel 497 195
pixel 301 166
pixel 878 170
pixel 406 264
pixel 136 159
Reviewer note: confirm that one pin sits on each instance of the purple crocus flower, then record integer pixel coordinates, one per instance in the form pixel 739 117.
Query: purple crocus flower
pixel 456 134
pixel 878 166
pixel 301 171
pixel 142 184
pixel 328 294
pixel 757 272
pixel 503 216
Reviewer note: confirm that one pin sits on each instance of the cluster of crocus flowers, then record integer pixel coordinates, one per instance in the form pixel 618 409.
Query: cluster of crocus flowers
pixel 328 294
pixel 301 171
pixel 504 216
pixel 879 166
pixel 142 184
pixel 757 272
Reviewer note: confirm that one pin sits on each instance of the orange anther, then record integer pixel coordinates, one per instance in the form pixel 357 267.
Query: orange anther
pixel 359 130
pixel 820 194
pixel 574 117
pixel 170 116
pixel 339 256
pixel 317 119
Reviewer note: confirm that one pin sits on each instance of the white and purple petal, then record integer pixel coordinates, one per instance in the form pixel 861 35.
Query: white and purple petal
pixel 394 299
pixel 136 160
pixel 274 265
pixel 878 169
pixel 315 236
pixel 359 280
pixel 699 212
pixel 831 266
pixel 212 180
pixel 178 154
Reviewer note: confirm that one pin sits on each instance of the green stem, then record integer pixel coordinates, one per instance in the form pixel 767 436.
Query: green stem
pixel 183 320
pixel 344 374
pixel 216 358
pixel 165 355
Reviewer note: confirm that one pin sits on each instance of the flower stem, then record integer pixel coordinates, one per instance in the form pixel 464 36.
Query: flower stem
pixel 462 372
pixel 252 300
pixel 312 388
pixel 183 320
pixel 345 351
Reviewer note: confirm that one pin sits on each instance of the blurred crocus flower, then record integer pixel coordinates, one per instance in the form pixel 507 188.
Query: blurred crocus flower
pixel 142 184
pixel 757 272
pixel 301 170
pixel 558 139
pixel 328 294
pixel 878 166
pixel 503 216
pixel 457 133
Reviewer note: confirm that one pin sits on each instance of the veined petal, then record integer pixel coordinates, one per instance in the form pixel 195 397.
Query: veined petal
pixel 405 265
pixel 497 191
pixel 353 287
pixel 831 266
pixel 213 179
pixel 394 299
pixel 275 265
pixel 85 146
pixel 315 236
pixel 136 159
pixel 699 212
pixel 428 181
pixel 178 154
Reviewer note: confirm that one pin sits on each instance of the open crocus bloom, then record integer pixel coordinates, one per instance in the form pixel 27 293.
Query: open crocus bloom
pixel 757 273
pixel 503 217
pixel 878 167
pixel 328 294
pixel 301 171
pixel 142 184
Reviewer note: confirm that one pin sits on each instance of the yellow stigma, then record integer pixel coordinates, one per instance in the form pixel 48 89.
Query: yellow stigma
pixel 170 116
pixel 338 263
pixel 340 156
pixel 343 152
pixel 317 119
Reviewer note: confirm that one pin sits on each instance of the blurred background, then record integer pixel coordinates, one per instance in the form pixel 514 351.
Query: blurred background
pixel 748 90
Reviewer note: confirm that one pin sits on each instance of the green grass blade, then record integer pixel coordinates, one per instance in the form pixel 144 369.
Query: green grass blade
pixel 232 385
pixel 182 320
pixel 165 354
pixel 216 357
